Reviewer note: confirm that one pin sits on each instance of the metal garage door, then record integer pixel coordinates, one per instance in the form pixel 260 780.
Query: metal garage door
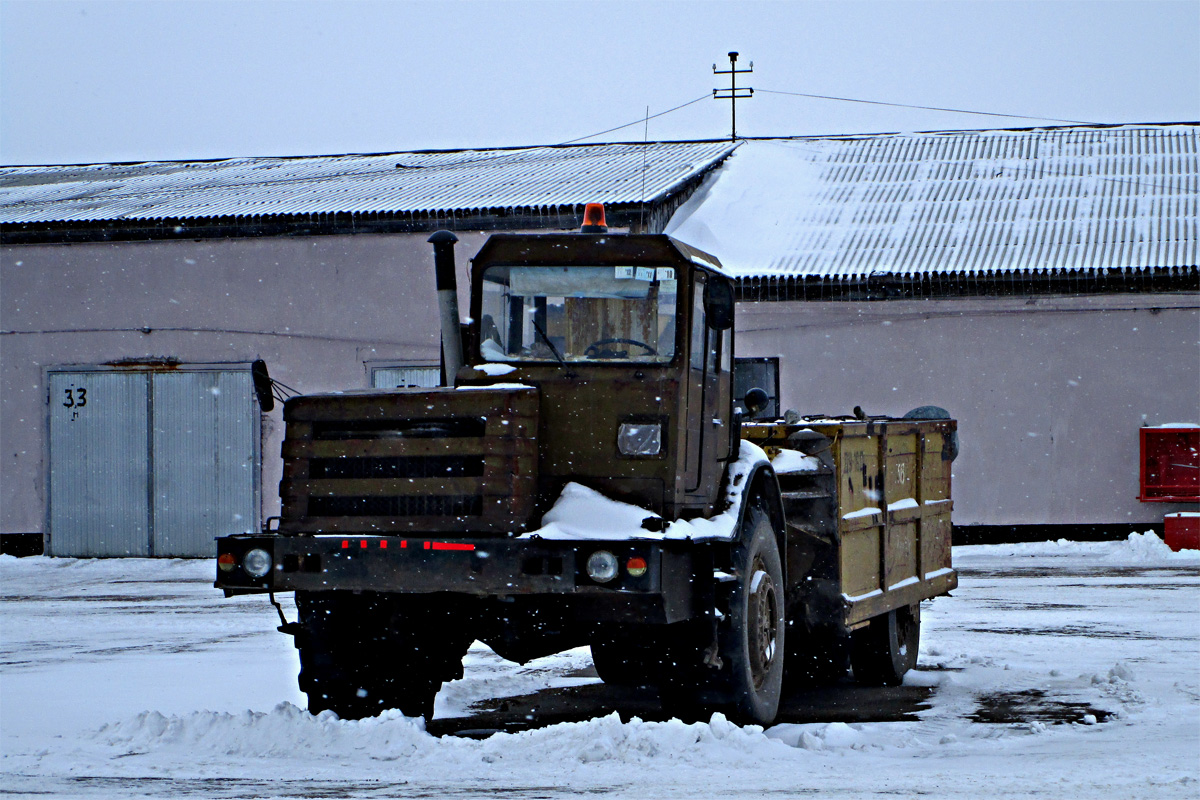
pixel 151 463
pixel 99 473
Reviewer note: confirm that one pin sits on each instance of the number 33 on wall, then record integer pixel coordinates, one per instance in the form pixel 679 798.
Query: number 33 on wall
pixel 75 398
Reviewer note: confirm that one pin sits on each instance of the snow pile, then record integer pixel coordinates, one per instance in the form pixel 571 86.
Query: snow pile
pixel 487 675
pixel 790 462
pixel 288 732
pixel 285 732
pixel 495 370
pixel 608 739
pixel 506 387
pixel 581 513
pixel 844 736
pixel 1137 548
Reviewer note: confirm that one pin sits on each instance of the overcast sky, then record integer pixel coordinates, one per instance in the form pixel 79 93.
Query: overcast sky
pixel 105 81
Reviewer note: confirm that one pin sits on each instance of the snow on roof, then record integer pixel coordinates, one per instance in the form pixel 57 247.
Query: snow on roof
pixel 1056 200
pixel 528 179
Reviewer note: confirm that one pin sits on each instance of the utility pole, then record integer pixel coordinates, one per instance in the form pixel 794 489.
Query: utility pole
pixel 732 93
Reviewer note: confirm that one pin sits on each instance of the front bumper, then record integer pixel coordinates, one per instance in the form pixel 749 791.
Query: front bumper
pixel 489 567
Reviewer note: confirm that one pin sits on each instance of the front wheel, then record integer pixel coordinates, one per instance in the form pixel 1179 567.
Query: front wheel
pixel 753 643
pixel 886 649
pixel 741 672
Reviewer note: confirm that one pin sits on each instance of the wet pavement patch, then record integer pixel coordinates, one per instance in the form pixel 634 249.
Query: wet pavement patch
pixel 844 701
pixel 1059 572
pixel 1089 631
pixel 1032 705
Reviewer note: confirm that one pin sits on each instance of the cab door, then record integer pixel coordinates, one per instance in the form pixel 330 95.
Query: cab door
pixel 708 400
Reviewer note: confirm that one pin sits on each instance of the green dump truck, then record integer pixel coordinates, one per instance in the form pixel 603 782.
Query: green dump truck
pixel 589 478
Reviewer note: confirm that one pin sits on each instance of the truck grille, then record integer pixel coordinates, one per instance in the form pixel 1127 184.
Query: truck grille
pixel 434 460
pixel 400 429
pixel 436 506
pixel 403 467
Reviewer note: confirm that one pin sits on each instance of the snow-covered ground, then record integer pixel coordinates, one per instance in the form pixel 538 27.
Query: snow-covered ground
pixel 1057 670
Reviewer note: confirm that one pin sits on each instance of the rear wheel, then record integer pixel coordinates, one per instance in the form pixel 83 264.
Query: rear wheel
pixel 363 654
pixel 886 649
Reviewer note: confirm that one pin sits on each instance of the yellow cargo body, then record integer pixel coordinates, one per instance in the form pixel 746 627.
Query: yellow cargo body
pixel 891 526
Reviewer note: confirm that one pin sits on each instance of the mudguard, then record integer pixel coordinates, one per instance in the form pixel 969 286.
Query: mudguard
pixel 762 483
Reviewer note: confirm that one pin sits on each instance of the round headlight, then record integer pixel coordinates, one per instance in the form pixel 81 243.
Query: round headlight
pixel 256 562
pixel 602 566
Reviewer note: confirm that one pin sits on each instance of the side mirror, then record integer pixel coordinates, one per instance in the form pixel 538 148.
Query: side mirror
pixel 718 303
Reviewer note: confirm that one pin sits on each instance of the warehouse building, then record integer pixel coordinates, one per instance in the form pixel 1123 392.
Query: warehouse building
pixel 1039 284
pixel 136 299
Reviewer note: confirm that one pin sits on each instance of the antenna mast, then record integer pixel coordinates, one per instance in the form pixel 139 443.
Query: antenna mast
pixel 732 93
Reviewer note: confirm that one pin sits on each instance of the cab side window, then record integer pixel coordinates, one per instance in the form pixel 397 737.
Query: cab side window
pixel 699 329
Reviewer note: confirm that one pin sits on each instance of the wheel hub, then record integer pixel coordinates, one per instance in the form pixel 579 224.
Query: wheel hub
pixel 762 608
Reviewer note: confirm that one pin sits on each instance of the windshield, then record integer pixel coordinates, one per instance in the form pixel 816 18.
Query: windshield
pixel 578 314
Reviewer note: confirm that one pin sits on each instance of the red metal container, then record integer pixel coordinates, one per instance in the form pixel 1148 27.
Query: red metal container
pixel 1182 531
pixel 1170 464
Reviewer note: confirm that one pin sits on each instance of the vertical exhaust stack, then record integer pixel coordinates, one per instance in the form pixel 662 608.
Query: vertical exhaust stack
pixel 447 289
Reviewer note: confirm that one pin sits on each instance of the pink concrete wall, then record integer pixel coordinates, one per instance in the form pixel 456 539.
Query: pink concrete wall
pixel 1049 392
pixel 314 308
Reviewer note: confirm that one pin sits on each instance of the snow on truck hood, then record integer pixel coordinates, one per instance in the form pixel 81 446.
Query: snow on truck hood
pixel 584 514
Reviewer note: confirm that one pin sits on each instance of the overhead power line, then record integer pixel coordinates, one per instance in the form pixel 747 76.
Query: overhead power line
pixel 641 121
pixel 644 120
pixel 930 108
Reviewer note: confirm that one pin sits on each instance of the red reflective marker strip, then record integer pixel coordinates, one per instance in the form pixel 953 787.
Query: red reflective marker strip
pixel 363 544
pixel 451 546
pixel 404 543
pixel 427 545
pixel 345 544
pixel 383 544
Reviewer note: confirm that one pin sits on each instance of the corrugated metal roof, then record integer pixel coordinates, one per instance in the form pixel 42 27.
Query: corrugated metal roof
pixel 1052 200
pixel 535 178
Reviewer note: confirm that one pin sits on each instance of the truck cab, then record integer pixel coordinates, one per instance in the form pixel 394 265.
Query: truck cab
pixel 629 341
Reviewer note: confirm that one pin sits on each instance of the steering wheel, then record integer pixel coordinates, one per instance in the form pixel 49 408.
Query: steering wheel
pixel 593 349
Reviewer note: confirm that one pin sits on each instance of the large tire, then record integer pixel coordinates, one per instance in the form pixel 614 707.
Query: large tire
pixel 886 649
pixel 750 640
pixel 753 644
pixel 363 654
